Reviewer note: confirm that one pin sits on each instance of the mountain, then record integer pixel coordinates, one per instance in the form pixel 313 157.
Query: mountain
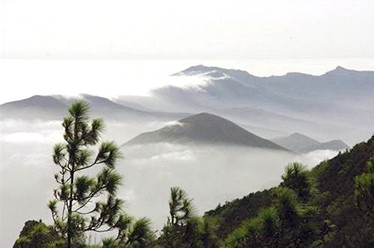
pixel 215 72
pixel 204 128
pixel 336 145
pixel 336 103
pixel 303 144
pixel 106 108
pixel 42 107
pixel 55 107
pixel 343 223
pixel 283 90
pixel 261 118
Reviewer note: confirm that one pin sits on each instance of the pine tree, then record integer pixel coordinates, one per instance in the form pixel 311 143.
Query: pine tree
pixel 84 202
pixel 184 228
pixel 296 177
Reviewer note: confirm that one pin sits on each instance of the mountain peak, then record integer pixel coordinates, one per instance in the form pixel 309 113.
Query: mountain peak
pixel 193 70
pixel 214 72
pixel 201 117
pixel 37 101
pixel 205 128
pixel 339 70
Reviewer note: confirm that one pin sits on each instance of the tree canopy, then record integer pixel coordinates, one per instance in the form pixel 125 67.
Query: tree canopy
pixel 83 201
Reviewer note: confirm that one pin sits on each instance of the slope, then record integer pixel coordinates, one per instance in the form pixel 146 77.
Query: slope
pixel 204 128
pixel 335 200
pixel 303 144
pixel 54 108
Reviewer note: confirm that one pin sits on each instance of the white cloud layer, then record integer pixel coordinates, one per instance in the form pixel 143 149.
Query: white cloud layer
pixel 28 137
pixel 210 175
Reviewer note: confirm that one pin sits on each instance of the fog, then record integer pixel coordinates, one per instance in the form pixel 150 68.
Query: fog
pixel 210 174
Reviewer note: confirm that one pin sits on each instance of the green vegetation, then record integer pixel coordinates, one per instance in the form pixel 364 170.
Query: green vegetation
pixel 287 222
pixel 330 206
pixel 364 190
pixel 37 234
pixel 89 203
pixel 183 228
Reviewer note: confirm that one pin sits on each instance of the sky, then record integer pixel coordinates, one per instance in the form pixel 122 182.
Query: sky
pixel 48 42
pixel 193 29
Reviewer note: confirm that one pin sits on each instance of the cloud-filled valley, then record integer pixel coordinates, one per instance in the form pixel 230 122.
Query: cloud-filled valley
pixel 210 174
pixel 216 156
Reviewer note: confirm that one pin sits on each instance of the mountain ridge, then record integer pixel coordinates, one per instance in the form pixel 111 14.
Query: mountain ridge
pixel 204 128
pixel 303 144
pixel 196 69
pixel 54 107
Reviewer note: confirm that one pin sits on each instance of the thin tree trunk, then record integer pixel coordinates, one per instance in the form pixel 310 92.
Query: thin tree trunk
pixel 70 207
pixel 72 160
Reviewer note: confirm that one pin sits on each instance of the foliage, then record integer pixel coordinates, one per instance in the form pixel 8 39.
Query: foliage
pixel 181 209
pixel 285 224
pixel 232 214
pixel 296 177
pixel 37 234
pixel 183 228
pixel 364 190
pixel 337 183
pixel 84 202
pixel 328 217
pixel 139 235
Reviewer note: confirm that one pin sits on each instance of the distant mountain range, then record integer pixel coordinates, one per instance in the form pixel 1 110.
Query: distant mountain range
pixel 334 104
pixel 34 107
pixel 337 104
pixel 55 107
pixel 303 144
pixel 203 129
pixel 237 88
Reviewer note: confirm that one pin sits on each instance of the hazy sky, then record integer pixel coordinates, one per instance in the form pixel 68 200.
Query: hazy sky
pixel 262 37
pixel 239 29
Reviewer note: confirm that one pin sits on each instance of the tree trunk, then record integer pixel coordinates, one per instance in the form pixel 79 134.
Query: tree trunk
pixel 70 207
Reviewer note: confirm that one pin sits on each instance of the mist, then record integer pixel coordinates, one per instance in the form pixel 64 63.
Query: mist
pixel 209 174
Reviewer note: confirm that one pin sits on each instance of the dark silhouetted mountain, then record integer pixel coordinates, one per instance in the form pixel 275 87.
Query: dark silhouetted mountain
pixel 303 144
pixel 204 128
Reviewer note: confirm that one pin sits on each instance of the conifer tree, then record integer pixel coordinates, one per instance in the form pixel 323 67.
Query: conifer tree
pixel 184 229
pixel 84 201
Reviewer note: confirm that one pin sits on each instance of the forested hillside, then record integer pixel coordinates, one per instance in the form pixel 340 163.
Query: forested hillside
pixel 335 221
